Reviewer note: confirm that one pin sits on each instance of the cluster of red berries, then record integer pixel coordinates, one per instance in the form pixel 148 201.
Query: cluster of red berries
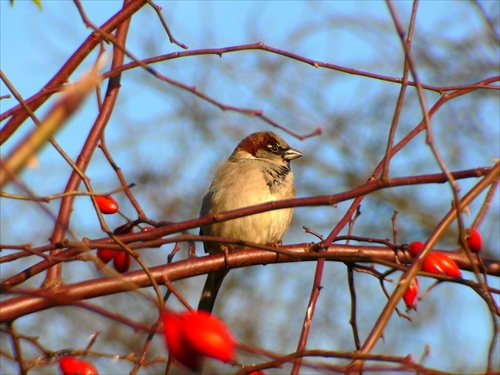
pixel 121 259
pixel 190 336
pixel 439 263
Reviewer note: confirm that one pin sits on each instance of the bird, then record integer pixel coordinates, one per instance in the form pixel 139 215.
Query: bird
pixel 258 171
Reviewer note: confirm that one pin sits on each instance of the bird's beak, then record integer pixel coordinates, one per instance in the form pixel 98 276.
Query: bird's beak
pixel 291 154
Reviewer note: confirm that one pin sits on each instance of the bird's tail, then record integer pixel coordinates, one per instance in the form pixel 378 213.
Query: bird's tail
pixel 210 290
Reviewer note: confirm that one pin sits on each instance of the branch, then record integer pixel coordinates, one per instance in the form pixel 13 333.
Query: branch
pixel 416 265
pixel 16 307
pixel 169 228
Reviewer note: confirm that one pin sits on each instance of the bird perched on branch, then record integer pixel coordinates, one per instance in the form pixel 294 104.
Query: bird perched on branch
pixel 258 171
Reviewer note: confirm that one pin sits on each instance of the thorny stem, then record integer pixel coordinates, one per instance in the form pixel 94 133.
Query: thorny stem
pixel 18 353
pixel 165 26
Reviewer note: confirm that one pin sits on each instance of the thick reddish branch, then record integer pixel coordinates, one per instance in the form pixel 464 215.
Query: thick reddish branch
pixel 298 202
pixel 89 147
pixel 64 295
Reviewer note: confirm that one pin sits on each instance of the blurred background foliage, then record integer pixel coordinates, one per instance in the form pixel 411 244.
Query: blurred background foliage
pixel 167 141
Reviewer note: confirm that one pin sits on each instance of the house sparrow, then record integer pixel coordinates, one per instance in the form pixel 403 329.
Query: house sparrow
pixel 258 171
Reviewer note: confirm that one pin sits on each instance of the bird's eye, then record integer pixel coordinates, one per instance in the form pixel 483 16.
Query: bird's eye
pixel 274 148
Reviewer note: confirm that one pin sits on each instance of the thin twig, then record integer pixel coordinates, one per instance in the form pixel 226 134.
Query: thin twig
pixel 401 96
pixel 165 26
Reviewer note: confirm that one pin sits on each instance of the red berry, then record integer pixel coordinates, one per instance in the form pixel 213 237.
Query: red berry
pixel 68 365
pixel 474 240
pixel 441 264
pixel 208 335
pixel 107 204
pixel 411 294
pixel 259 372
pixel 105 255
pixel 122 261
pixel 178 349
pixel 415 247
pixel 71 366
pixel 193 335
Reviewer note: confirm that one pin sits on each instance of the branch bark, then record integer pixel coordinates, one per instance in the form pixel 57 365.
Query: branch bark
pixel 33 301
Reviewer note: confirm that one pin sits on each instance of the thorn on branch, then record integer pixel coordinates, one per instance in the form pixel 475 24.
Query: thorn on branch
pixel 310 231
